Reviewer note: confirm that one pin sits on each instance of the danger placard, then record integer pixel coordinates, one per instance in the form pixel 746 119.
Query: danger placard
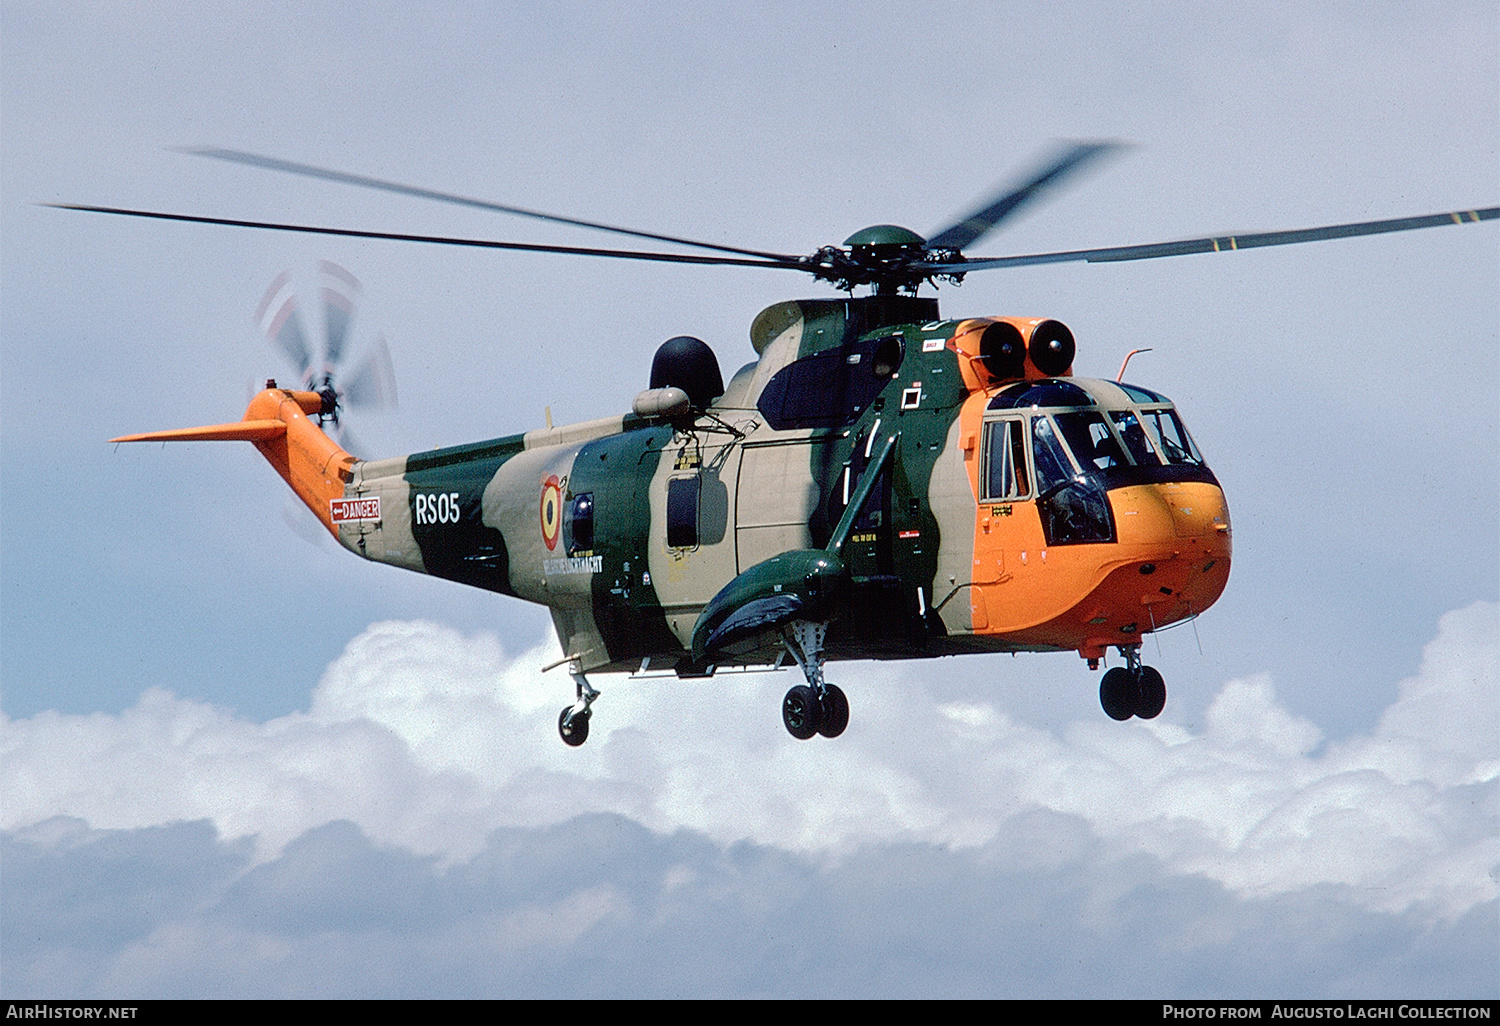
pixel 344 511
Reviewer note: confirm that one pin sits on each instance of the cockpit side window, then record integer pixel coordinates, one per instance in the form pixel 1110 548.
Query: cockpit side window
pixel 1052 466
pixel 1072 505
pixel 1005 474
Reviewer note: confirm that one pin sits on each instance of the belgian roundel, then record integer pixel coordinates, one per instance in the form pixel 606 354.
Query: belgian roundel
pixel 551 511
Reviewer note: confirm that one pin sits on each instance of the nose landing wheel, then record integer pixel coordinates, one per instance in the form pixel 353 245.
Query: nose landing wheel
pixel 1133 690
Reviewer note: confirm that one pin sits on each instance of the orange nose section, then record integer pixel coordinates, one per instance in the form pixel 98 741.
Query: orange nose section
pixel 1193 512
pixel 1169 560
pixel 1172 562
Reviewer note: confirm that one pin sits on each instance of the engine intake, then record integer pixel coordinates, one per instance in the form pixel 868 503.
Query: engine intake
pixel 1051 348
pixel 1004 349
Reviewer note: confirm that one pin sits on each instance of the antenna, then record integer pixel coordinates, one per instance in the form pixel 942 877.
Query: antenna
pixel 1121 376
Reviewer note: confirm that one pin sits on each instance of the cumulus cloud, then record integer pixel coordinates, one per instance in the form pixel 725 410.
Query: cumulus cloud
pixel 426 787
pixel 601 906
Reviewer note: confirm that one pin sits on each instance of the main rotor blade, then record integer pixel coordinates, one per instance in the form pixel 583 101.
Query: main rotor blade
pixel 364 181
pixel 980 222
pixel 785 263
pixel 1216 243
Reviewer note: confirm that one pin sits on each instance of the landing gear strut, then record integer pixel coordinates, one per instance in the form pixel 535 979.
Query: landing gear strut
pixel 1132 689
pixel 816 707
pixel 573 721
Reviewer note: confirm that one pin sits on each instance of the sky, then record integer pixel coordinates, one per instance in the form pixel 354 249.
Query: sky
pixel 236 762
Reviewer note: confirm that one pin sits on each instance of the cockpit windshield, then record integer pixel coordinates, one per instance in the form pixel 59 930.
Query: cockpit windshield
pixel 1089 437
pixel 1128 424
pixel 1112 433
pixel 1175 443
pixel 1083 439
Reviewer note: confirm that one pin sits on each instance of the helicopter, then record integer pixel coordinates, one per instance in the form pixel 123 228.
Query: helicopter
pixel 878 483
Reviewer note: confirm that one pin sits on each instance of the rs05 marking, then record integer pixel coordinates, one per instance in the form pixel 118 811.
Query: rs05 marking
pixel 442 508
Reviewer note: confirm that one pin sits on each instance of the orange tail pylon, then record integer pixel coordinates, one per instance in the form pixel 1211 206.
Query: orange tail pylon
pixel 277 423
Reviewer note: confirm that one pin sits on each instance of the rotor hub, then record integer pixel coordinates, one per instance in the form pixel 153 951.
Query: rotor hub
pixel 886 237
pixel 882 255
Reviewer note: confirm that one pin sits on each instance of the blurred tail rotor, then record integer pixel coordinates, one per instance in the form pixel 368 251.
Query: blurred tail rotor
pixel 281 323
pixel 326 365
pixel 327 356
pixel 340 291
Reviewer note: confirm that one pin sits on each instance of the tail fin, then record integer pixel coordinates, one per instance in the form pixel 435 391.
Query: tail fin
pixel 277 423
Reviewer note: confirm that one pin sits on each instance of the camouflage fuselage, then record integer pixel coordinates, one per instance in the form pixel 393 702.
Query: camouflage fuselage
pixel 626 528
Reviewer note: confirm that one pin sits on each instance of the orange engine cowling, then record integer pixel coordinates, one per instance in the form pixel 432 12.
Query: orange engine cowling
pixel 995 350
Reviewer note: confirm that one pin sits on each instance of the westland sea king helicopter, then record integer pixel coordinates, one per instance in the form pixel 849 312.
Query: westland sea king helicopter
pixel 879 483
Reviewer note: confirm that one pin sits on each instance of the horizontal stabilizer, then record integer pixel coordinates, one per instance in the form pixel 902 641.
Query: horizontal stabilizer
pixel 239 431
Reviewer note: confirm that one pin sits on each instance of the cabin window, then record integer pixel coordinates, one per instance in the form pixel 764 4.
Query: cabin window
pixel 1005 461
pixel 831 387
pixel 886 360
pixel 578 523
pixel 682 512
pixel 872 514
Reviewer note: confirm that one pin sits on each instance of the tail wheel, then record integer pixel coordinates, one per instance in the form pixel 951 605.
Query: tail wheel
pixel 801 712
pixel 574 727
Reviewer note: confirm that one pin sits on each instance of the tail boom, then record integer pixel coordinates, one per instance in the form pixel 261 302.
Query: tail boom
pixel 277 423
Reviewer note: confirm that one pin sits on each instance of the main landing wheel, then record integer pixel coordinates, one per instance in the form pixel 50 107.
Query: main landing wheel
pixel 1133 692
pixel 835 711
pixel 1151 698
pixel 806 714
pixel 801 712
